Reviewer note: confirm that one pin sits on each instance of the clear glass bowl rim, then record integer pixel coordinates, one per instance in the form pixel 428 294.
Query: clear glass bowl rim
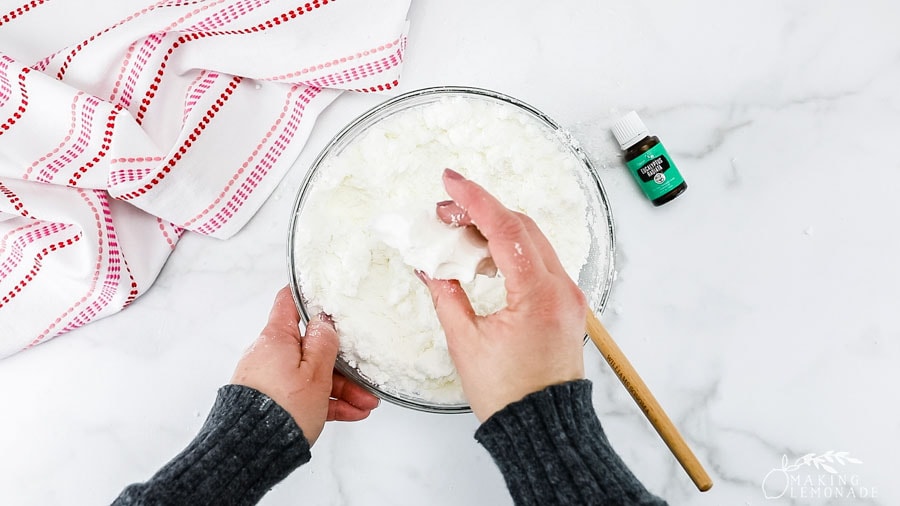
pixel 350 131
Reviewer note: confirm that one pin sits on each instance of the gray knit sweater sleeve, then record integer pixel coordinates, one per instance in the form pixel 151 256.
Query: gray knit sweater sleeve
pixel 551 449
pixel 247 445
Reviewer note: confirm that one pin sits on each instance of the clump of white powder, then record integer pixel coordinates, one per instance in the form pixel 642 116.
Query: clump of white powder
pixel 439 250
pixel 384 315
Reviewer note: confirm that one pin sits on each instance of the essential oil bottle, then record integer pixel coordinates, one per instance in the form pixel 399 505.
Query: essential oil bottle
pixel 648 160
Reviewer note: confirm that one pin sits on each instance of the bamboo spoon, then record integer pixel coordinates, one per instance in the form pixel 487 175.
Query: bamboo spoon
pixel 648 404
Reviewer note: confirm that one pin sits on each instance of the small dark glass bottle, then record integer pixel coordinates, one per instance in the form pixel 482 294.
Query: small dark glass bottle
pixel 648 160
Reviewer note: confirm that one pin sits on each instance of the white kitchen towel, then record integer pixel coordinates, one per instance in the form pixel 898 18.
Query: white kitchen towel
pixel 124 123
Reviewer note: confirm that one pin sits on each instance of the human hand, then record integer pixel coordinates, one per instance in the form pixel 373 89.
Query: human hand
pixel 298 372
pixel 537 339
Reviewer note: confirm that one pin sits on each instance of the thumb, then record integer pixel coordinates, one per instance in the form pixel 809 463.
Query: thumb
pixel 454 310
pixel 319 347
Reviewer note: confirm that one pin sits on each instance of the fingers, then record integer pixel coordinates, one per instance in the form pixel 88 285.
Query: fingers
pixel 509 240
pixel 319 346
pixel 348 391
pixel 452 214
pixel 283 318
pixel 545 249
pixel 349 402
pixel 342 411
pixel 452 305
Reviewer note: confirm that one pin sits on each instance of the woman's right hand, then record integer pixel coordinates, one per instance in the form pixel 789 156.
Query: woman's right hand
pixel 537 339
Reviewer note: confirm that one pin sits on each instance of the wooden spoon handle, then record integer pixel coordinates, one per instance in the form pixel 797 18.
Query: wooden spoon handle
pixel 648 404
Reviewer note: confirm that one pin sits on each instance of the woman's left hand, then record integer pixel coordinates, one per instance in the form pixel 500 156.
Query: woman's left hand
pixel 298 373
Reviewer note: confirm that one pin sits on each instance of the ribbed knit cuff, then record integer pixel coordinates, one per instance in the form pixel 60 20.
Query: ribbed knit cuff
pixel 247 445
pixel 551 449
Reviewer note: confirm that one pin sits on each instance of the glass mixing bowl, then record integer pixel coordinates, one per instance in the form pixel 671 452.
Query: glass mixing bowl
pixel 595 278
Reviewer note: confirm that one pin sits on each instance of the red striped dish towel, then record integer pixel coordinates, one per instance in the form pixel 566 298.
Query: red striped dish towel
pixel 125 123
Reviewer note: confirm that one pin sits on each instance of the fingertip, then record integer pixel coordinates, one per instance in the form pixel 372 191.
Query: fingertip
pixel 452 175
pixel 283 308
pixel 451 213
pixel 458 187
pixel 326 319
pixel 342 411
pixel 317 330
pixel 368 402
pixel 285 297
pixel 320 344
pixel 346 390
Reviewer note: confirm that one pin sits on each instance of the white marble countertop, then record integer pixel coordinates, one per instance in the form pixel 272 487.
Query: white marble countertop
pixel 760 307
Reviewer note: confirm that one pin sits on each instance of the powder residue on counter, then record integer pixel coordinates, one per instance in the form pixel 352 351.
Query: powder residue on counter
pixel 384 315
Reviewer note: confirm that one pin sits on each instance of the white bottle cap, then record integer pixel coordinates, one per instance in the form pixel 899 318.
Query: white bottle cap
pixel 629 129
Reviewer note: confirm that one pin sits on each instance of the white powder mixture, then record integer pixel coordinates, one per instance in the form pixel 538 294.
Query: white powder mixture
pixel 383 313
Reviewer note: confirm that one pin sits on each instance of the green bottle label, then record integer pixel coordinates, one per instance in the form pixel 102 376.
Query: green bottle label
pixel 655 172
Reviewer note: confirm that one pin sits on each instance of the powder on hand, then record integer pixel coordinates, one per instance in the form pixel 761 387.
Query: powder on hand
pixel 384 315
